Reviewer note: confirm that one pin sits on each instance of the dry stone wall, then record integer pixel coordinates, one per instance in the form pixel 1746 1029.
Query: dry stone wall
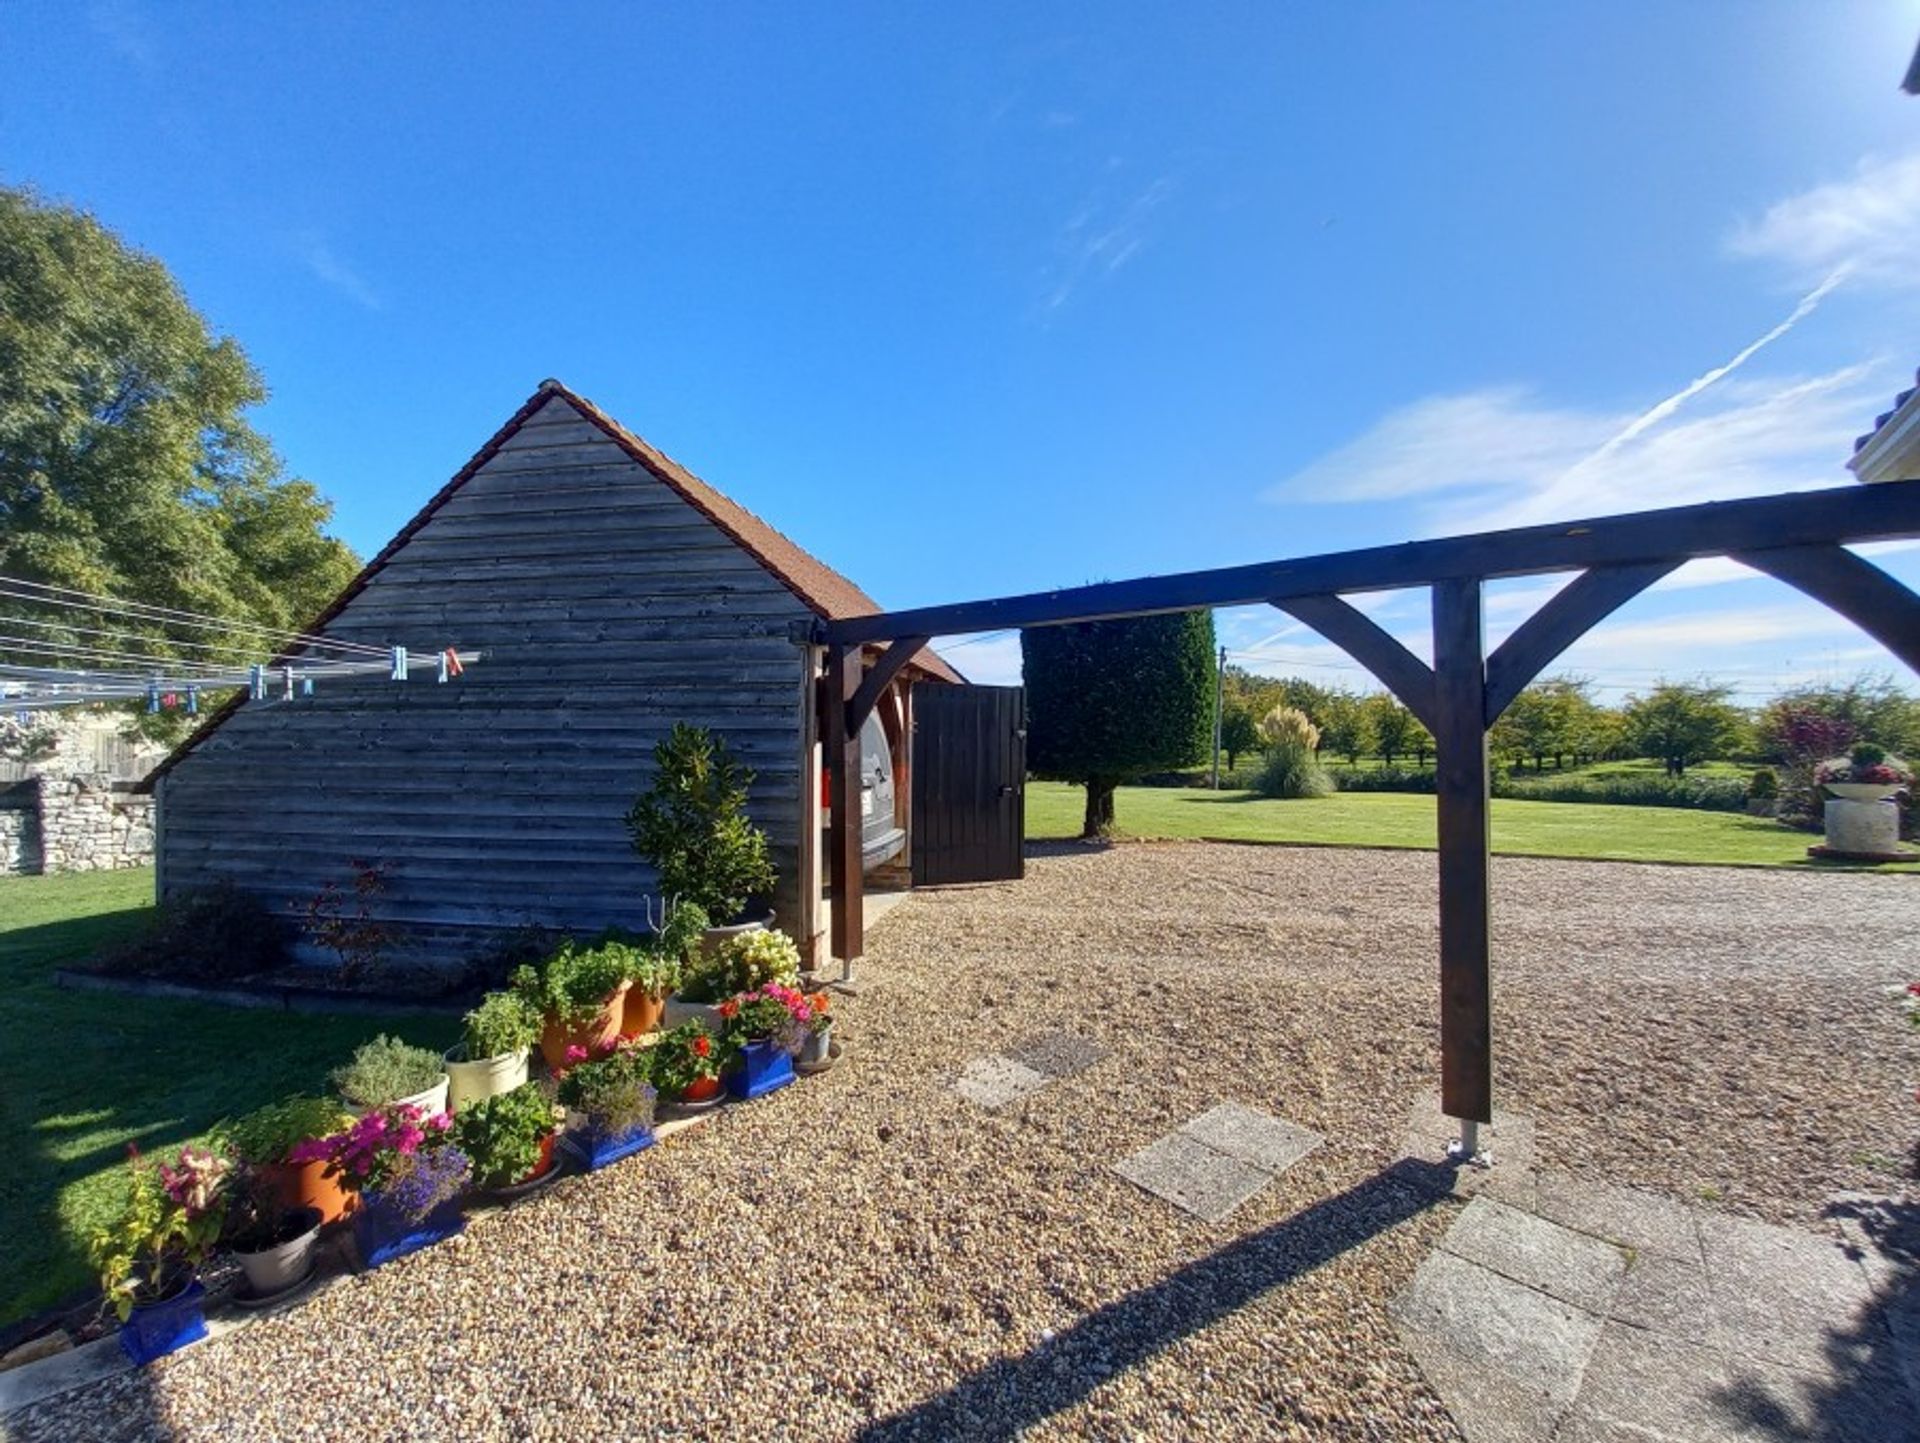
pixel 74 824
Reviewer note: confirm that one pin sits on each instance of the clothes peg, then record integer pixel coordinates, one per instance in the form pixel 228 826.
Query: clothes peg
pixel 257 682
pixel 450 664
pixel 286 675
pixel 193 701
pixel 306 686
pixel 153 696
pixel 399 664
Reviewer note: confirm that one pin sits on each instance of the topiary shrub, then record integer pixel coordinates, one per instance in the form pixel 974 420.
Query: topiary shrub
pixel 691 823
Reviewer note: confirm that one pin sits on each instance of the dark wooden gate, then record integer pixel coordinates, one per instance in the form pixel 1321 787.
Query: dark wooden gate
pixel 969 784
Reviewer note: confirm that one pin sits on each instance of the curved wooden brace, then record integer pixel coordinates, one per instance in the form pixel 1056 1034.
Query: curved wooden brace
pixel 1354 632
pixel 1885 609
pixel 1573 611
pixel 883 671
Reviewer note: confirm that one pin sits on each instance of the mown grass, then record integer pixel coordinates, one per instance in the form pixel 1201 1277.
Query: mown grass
pixel 1396 819
pixel 88 1072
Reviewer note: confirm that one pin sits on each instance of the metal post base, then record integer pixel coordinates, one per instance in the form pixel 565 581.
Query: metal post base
pixel 1466 1147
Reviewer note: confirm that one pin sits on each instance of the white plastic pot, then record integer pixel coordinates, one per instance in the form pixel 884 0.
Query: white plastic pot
pixel 471 1082
pixel 276 1269
pixel 433 1100
pixel 706 1013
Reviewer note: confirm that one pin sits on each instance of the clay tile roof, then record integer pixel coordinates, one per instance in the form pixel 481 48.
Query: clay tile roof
pixel 820 588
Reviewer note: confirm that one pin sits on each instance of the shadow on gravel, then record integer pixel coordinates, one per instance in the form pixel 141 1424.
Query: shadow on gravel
pixel 1066 847
pixel 1872 1386
pixel 124 1407
pixel 1005 1398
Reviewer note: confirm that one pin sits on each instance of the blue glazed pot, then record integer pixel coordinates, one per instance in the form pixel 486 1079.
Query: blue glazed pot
pixel 382 1236
pixel 764 1067
pixel 595 1147
pixel 155 1329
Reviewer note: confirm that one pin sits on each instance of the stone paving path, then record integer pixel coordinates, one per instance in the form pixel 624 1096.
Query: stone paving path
pixel 1559 1309
pixel 1215 1162
pixel 994 1081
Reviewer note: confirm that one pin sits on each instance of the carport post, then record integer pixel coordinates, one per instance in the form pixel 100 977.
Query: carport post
pixel 1460 742
pixel 841 745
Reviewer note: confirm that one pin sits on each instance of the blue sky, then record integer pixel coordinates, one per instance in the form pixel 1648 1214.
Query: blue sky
pixel 975 299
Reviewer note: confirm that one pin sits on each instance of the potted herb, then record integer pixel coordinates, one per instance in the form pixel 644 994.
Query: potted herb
pixel 658 965
pixel 691 824
pixel 402 1163
pixel 579 993
pixel 388 1071
pixel 763 1029
pixel 684 1065
pixel 609 1102
pixel 509 1137
pixel 148 1260
pixel 273 1242
pixel 262 1143
pixel 492 1056
pixel 816 1048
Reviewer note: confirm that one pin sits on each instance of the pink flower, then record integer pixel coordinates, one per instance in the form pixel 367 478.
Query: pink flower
pixel 576 1053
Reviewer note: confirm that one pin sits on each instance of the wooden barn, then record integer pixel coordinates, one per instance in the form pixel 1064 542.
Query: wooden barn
pixel 611 594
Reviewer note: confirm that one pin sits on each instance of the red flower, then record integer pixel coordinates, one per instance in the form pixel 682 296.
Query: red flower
pixel 1914 988
pixel 702 1045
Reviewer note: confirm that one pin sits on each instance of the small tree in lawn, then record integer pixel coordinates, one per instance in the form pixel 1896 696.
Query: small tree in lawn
pixel 691 823
pixel 1108 701
pixel 1239 732
pixel 1345 728
pixel 1682 725
pixel 1392 725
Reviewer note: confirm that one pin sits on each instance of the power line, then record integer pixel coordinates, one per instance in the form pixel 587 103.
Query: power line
pixel 46 594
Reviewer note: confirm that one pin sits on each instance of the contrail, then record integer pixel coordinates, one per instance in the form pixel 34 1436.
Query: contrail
pixel 1666 408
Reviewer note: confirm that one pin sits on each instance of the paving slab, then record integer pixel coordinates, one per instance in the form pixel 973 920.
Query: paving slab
pixel 1781 1296
pixel 1255 1138
pixel 101 1358
pixel 1663 1387
pixel 1865 1404
pixel 1560 1262
pixel 1059 1054
pixel 1508 1139
pixel 1507 1359
pixel 1668 1296
pixel 1193 1176
pixel 993 1082
pixel 1642 1221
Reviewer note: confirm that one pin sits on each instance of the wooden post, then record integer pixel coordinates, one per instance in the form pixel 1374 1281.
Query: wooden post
pixel 841 745
pixel 1460 739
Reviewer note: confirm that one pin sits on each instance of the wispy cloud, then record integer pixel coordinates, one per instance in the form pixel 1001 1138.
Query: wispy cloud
pixel 331 270
pixel 1099 239
pixel 1501 457
pixel 127 32
pixel 1869 222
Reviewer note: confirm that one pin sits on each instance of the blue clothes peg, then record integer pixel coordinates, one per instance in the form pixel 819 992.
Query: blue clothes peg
pixel 257 682
pixel 193 701
pixel 153 696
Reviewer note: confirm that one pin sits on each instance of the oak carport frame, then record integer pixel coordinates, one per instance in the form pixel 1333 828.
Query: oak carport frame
pixel 1799 539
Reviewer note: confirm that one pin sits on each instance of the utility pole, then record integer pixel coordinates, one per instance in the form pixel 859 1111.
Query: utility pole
pixel 1219 690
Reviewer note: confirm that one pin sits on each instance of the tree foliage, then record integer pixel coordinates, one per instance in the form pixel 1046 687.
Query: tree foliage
pixel 1239 732
pixel 127 465
pixel 1681 724
pixel 1108 701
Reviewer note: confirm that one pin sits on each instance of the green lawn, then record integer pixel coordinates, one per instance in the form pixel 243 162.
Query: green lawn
pixel 89 1072
pixel 1393 819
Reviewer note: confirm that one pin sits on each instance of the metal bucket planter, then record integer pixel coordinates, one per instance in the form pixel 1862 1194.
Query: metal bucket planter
pixel 476 1081
pixel 765 1066
pixel 153 1330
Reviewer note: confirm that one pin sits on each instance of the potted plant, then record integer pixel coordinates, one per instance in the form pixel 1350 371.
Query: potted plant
pixel 262 1142
pixel 492 1056
pixel 691 824
pixel 743 962
pixel 402 1163
pixel 149 1259
pixel 388 1071
pixel 1866 774
pixel 509 1138
pixel 272 1242
pixel 579 993
pixel 658 965
pixel 684 1066
pixel 816 1048
pixel 610 1102
pixel 763 1029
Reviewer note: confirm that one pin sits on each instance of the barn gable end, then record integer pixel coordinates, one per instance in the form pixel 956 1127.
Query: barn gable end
pixel 608 605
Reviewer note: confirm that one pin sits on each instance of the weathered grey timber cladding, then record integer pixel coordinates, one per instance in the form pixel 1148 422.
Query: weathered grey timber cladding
pixel 608 607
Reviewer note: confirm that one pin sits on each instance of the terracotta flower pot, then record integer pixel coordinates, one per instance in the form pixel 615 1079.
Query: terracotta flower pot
pixel 596 1034
pixel 703 1089
pixel 643 1012
pixel 306 1185
pixel 542 1167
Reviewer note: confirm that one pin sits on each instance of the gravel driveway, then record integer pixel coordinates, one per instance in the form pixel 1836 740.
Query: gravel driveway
pixel 868 1256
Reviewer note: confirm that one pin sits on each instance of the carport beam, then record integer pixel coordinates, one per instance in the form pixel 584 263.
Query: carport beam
pixel 1460 744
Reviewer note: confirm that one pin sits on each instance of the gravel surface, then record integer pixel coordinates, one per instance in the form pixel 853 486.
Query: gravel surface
pixel 865 1255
